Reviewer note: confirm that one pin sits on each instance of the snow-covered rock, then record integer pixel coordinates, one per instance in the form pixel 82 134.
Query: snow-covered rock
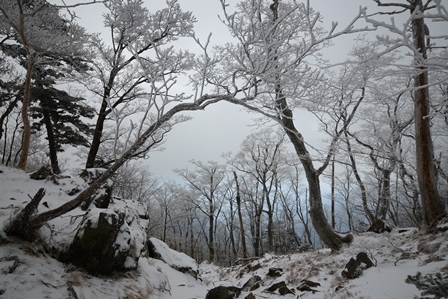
pixel 177 260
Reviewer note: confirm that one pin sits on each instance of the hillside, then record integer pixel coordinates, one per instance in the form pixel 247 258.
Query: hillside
pixel 30 271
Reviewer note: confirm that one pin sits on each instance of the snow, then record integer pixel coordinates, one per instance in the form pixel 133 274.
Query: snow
pixel 173 258
pixel 30 271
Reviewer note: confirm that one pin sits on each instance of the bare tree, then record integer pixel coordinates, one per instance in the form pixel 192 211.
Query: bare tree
pixel 41 30
pixel 206 180
pixel 433 207
pixel 260 157
pixel 240 216
pixel 272 45
pixel 124 67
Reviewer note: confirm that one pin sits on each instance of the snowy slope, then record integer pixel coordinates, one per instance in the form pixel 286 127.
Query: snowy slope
pixel 29 271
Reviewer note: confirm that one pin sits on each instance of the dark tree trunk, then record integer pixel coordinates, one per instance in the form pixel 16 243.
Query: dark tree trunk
pixel 26 137
pixel 256 231
pixel 97 134
pixel 333 212
pixel 270 212
pixel 367 211
pixel 211 241
pixel 326 233
pixel 51 140
pixel 240 216
pixel 5 114
pixel 384 196
pixel 231 229
pixel 433 208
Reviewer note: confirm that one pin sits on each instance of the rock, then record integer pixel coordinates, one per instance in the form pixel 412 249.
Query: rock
pixel 280 287
pixel 250 296
pixel 253 268
pixel 363 258
pixel 252 284
pixel 42 174
pixel 354 267
pixel 310 283
pixel 73 191
pixel 176 260
pixel 106 242
pixel 275 272
pixel 305 288
pixel 103 196
pixel 379 226
pixel 223 292
pixel 351 269
pixel 93 246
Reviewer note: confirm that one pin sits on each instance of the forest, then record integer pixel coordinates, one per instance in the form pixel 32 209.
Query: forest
pixel 112 99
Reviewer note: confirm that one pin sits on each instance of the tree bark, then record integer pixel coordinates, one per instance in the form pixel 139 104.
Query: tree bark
pixel 367 211
pixel 25 118
pixel 433 208
pixel 333 216
pixel 97 134
pixel 51 140
pixel 326 233
pixel 18 226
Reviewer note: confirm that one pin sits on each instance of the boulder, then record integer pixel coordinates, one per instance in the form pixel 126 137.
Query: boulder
pixel 176 260
pixel 42 174
pixel 275 272
pixel 354 267
pixel 379 227
pixel 250 296
pixel 310 283
pixel 364 259
pixel 94 245
pixel 252 284
pixel 108 240
pixel 280 287
pixel 223 292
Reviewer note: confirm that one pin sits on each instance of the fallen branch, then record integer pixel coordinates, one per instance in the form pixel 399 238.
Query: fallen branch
pixel 18 224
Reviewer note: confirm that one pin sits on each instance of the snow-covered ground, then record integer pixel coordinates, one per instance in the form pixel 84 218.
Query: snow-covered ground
pixel 29 271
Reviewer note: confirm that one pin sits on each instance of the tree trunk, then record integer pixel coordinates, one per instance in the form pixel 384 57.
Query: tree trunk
pixel 256 234
pixel 333 216
pixel 211 245
pixel 25 118
pixel 231 230
pixel 211 219
pixel 240 217
pixel 367 211
pixel 5 115
pixel 97 134
pixel 17 226
pixel 326 233
pixel 190 224
pixel 51 140
pixel 384 196
pixel 328 236
pixel 270 212
pixel 433 208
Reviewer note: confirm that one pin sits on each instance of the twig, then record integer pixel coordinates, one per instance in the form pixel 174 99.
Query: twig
pixel 14 258
pixel 71 290
pixel 50 285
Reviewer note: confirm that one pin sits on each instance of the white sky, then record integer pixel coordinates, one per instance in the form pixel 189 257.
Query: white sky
pixel 222 127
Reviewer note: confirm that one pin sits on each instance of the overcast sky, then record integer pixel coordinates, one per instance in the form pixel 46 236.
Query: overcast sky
pixel 222 127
